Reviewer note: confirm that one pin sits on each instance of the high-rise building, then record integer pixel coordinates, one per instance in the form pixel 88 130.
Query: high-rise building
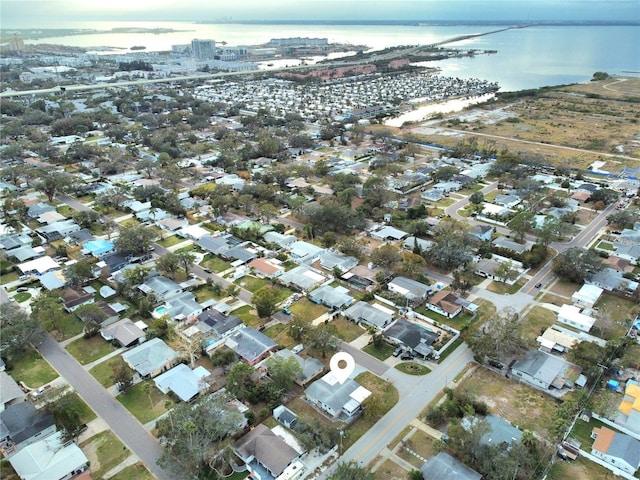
pixel 203 49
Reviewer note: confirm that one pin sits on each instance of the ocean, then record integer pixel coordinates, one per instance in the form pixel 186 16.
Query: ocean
pixel 529 57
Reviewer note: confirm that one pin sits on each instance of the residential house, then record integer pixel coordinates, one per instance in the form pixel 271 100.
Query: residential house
pixel 310 367
pixel 52 280
pixel 444 466
pixel 412 290
pixel 250 344
pixel 239 255
pixel 49 459
pixel 34 211
pixel 74 297
pixel 501 432
pixel 432 195
pixel 303 278
pixel 508 201
pixel 553 340
pixel 545 371
pixel 266 454
pixel 373 315
pixel 162 288
pixel 613 281
pixel 58 230
pixel 361 278
pixel 266 268
pixel 114 262
pixel 183 382
pixel 150 358
pixel 335 398
pixel 411 336
pixel 219 324
pixel 444 302
pixel 587 296
pixel 285 416
pixel 333 297
pixel 410 243
pixel 387 233
pixel 216 245
pixel 172 223
pixel 617 449
pixel 22 254
pixel 630 406
pixel 50 217
pixel 10 391
pixel 181 307
pixel 15 240
pixel 22 424
pixel 38 266
pixel 283 241
pixel 573 316
pixel 330 261
pixel 98 247
pixel 124 332
pixel 304 252
pixel 481 232
pixel 504 242
pixel 447 187
pixel 629 246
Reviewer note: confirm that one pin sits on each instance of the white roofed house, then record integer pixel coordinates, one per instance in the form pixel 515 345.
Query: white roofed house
pixel 304 252
pixel 387 233
pixel 587 296
pixel 373 315
pixel 330 261
pixel 332 297
pixel 572 316
pixel 279 239
pixel 337 399
pixel 250 344
pixel 410 289
pixel 303 278
pixel 183 382
pixel 150 358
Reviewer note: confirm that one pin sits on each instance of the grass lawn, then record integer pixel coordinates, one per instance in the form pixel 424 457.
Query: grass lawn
pixel 253 284
pixel 103 372
pixel 582 432
pixel 68 326
pixel 419 442
pixel 617 309
pixel 9 277
pixel 605 245
pixel 130 222
pixel 389 470
pixel 346 329
pixel 76 404
pixel 21 297
pixel 564 288
pixel 307 310
pixel 31 369
pixel 142 406
pixel 104 452
pixel 523 406
pixel 205 292
pixel 381 353
pixel 387 395
pixel 170 241
pixel 413 368
pixel 553 299
pixel 87 350
pixel 580 469
pixel 451 348
pixel 65 210
pixel 279 334
pixel 504 288
pixel 536 322
pixel 215 264
pixel 303 410
pixel 134 472
pixel 248 316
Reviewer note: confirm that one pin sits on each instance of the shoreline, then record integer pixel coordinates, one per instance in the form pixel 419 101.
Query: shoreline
pixel 454 105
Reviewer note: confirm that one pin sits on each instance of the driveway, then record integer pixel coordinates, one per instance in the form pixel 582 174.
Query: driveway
pixel 120 421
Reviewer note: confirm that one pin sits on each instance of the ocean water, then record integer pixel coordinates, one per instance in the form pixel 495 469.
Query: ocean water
pixel 526 57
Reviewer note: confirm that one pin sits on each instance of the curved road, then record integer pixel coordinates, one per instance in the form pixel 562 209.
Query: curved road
pixel 120 421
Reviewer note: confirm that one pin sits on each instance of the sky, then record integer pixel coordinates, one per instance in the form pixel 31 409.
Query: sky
pixel 44 13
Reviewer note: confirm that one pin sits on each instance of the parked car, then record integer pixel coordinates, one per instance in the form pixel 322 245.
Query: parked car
pixel 286 310
pixel 538 285
pixel 298 348
pixel 22 289
pixel 397 351
pixel 496 364
pixel 406 356
pixel 208 270
pixel 262 327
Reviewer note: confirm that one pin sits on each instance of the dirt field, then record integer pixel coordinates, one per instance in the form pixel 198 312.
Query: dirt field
pixel 599 119
pixel 523 406
pixel 390 470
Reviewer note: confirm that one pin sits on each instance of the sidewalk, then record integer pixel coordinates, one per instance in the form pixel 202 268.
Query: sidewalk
pixel 89 366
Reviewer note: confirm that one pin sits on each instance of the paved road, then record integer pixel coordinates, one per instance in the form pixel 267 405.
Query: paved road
pixel 415 395
pixel 120 421
pixel 365 360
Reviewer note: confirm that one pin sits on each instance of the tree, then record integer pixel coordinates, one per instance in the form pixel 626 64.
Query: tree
pixel 522 223
pixel 386 256
pixel 265 301
pixel 577 264
pixel 506 272
pixel 123 377
pixel 283 371
pixel 239 380
pixel 298 328
pixel 605 195
pixel 79 273
pixel 444 173
pixel 352 471
pixel 136 275
pixel 47 310
pixel 476 198
pixel 623 218
pixel 52 182
pixel 412 265
pixel 134 239
pixel 66 411
pixel 194 434
pixel 322 338
pixel 450 248
pixel 350 245
pixel 86 218
pixel 499 337
pixel 18 329
pixel 169 263
pixel 415 475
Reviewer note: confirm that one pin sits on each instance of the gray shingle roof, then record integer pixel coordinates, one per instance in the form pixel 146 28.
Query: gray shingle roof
pixel 444 466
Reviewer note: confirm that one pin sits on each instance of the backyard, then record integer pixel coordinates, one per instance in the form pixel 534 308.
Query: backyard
pixel 87 350
pixel 208 292
pixel 347 330
pixel 31 369
pixel 214 263
pixel 248 316
pixel 536 322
